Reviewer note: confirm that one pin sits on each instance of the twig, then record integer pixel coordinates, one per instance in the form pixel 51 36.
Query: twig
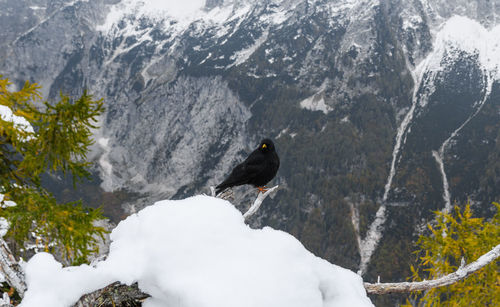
pixel 461 273
pixel 212 191
pixel 258 202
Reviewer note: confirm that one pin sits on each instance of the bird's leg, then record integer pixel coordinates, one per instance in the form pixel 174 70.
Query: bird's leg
pixel 262 189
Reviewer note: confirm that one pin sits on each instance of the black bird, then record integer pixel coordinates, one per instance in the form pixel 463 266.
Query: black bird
pixel 258 169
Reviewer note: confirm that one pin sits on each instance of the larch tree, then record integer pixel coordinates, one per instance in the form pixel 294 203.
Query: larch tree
pixel 39 137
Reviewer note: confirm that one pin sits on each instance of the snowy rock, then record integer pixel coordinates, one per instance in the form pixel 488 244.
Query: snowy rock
pixel 199 252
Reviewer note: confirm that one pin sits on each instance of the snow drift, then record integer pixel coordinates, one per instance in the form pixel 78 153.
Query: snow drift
pixel 199 252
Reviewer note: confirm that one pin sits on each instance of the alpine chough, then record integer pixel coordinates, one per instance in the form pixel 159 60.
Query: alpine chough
pixel 258 169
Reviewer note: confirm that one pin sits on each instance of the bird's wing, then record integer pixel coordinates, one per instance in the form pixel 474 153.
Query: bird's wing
pixel 254 161
pixel 244 172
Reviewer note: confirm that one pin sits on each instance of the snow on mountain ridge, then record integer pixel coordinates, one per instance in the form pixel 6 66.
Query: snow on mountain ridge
pixel 182 14
pixel 470 36
pixel 186 10
pixel 457 36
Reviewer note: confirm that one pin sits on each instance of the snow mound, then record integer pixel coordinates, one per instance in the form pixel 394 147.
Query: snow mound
pixel 199 252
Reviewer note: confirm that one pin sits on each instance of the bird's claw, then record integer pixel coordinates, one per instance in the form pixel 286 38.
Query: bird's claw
pixel 262 189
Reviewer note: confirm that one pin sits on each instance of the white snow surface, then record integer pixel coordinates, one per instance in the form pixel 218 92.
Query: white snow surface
pixel 199 252
pixel 4 224
pixel 315 103
pixel 19 122
pixel 243 55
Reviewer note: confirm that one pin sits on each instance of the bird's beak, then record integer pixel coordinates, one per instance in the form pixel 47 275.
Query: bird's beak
pixel 264 146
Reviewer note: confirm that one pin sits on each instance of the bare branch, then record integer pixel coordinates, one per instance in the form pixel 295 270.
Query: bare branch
pixel 461 273
pixel 11 269
pixel 212 191
pixel 258 202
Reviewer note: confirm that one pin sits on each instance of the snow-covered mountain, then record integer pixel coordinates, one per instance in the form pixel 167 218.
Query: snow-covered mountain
pixel 381 110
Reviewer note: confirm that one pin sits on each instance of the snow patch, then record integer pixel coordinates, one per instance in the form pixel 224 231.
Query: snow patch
pixel 373 236
pixel 19 122
pixel 243 55
pixel 199 252
pixel 282 132
pixel 6 203
pixel 4 224
pixel 315 103
pixel 412 22
pixel 103 143
pixel 438 156
pixel 4 228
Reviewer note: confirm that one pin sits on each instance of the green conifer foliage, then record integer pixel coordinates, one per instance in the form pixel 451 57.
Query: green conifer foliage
pixel 458 235
pixel 58 142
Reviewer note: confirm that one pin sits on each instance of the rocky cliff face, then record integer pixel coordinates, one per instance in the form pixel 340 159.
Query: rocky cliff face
pixel 381 110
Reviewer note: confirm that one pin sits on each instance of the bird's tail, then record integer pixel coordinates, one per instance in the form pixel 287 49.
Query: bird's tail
pixel 220 188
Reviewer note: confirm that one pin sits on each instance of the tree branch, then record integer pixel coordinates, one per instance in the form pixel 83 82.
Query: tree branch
pixel 258 201
pixel 11 269
pixel 461 273
pixel 115 294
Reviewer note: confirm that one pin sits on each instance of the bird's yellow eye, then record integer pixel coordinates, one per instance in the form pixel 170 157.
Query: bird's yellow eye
pixel 264 146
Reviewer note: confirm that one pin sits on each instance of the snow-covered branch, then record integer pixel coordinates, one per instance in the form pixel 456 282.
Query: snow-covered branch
pixel 258 201
pixel 461 273
pixel 11 269
pixel 5 300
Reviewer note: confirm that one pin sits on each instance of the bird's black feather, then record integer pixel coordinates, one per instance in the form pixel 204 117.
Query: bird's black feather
pixel 258 169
